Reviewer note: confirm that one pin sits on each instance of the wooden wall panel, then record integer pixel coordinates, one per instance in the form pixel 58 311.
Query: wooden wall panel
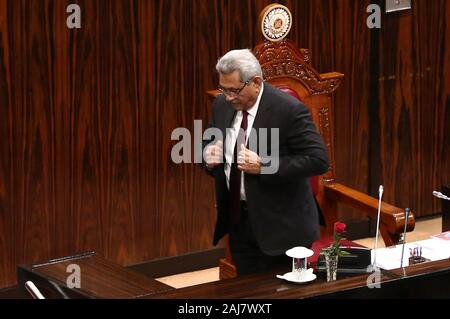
pixel 6 217
pixel 351 50
pixel 33 132
pixel 442 169
pixel 413 105
pixel 86 116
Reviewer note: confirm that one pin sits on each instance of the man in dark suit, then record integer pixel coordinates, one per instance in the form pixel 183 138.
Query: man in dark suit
pixel 264 211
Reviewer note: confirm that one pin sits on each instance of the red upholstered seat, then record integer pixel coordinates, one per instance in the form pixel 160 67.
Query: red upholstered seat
pixel 289 91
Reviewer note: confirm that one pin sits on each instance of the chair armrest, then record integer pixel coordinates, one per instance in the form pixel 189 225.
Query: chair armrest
pixel 392 219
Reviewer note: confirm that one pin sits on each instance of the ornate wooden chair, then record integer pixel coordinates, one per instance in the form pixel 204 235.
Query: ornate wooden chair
pixel 289 68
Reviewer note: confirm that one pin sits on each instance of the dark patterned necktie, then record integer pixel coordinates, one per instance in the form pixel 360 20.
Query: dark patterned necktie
pixel 236 174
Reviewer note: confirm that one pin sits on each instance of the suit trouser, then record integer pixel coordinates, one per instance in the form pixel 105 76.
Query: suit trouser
pixel 247 256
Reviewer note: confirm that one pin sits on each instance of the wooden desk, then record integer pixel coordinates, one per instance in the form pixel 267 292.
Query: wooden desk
pixel 103 279
pixel 99 278
pixel 428 280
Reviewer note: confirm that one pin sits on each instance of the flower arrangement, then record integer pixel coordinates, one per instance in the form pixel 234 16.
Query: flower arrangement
pixel 335 248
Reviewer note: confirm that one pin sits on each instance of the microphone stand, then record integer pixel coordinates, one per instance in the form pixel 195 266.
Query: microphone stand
pixel 404 236
pixel 380 196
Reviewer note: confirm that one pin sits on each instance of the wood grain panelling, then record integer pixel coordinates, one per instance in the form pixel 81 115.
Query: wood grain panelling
pixel 6 191
pixel 33 130
pixel 414 105
pixel 443 168
pixel 86 116
pixel 350 50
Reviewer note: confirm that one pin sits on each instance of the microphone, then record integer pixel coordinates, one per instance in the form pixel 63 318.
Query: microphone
pixel 32 289
pixel 380 196
pixel 404 235
pixel 440 195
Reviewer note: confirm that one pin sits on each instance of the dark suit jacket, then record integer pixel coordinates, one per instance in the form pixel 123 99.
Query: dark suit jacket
pixel 281 206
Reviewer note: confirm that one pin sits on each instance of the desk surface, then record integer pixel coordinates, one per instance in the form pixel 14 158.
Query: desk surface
pixel 99 278
pixel 394 283
pixel 102 279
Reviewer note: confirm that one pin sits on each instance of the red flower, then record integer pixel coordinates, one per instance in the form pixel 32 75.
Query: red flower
pixel 335 248
pixel 339 227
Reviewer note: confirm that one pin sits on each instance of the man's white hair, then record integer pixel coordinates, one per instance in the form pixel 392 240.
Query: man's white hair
pixel 242 60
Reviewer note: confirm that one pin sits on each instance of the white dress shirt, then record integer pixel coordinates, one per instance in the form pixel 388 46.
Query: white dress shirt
pixel 232 136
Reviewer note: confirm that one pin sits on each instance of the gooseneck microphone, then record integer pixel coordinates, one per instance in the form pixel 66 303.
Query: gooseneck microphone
pixel 440 195
pixel 404 235
pixel 380 196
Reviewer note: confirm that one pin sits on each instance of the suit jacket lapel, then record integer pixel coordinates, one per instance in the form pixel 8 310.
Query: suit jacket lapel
pixel 263 114
pixel 228 117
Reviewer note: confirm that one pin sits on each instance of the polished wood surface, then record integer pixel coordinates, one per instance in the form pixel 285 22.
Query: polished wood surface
pixel 86 116
pixel 413 105
pixel 400 283
pixel 99 278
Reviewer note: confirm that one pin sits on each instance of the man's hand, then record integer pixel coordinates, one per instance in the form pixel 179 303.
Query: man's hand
pixel 214 154
pixel 248 161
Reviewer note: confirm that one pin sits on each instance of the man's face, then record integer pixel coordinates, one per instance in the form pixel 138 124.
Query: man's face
pixel 246 97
